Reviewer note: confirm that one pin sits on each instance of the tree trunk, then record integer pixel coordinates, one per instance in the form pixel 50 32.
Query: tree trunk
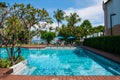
pixel 29 36
pixel 103 33
pixel 48 41
pixel 58 24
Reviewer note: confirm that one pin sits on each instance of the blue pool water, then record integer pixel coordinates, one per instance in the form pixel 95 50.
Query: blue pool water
pixel 70 62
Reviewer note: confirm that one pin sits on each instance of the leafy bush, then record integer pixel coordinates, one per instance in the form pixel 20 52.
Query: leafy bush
pixel 109 43
pixel 5 63
pixel 78 42
pixel 49 36
pixel 20 59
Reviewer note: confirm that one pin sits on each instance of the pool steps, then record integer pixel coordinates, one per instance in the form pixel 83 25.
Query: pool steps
pixel 19 67
pixel 114 70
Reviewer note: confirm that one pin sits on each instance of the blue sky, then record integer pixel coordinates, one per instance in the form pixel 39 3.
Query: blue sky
pixel 87 9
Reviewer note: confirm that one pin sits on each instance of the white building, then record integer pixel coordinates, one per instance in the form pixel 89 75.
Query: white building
pixel 112 17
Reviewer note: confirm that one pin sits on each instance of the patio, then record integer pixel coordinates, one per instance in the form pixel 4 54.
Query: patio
pixel 16 77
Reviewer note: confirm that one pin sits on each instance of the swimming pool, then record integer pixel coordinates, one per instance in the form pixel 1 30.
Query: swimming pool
pixel 66 62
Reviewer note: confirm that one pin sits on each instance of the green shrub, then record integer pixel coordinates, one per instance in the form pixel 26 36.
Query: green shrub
pixel 109 43
pixel 20 59
pixel 78 42
pixel 5 63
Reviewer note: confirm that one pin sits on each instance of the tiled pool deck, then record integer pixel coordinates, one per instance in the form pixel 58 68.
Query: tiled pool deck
pixel 16 77
pixel 20 77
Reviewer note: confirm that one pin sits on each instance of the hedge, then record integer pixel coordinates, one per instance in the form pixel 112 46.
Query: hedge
pixel 109 43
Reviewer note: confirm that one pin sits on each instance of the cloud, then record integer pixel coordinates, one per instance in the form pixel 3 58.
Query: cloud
pixel 54 25
pixel 93 13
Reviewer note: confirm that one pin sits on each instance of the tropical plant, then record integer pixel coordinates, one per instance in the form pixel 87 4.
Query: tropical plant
pixel 73 31
pixel 65 32
pixel 59 16
pixel 5 63
pixel 11 34
pixel 3 5
pixel 72 19
pixel 3 15
pixel 101 28
pixel 86 28
pixel 78 32
pixel 44 15
pixel 30 17
pixel 97 30
pixel 48 36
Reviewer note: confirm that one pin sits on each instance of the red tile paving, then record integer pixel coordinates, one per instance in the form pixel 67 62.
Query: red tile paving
pixel 19 77
pixel 5 71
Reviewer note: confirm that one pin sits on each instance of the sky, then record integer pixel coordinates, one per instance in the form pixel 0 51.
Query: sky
pixel 86 9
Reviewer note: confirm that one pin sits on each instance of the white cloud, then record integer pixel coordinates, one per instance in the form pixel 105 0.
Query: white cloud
pixel 93 13
pixel 54 25
pixel 45 26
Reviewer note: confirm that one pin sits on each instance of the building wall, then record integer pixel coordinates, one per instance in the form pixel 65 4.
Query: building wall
pixel 115 29
pixel 111 7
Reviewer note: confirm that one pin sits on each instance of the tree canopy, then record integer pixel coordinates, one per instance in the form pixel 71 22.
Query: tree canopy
pixel 59 16
pixel 48 36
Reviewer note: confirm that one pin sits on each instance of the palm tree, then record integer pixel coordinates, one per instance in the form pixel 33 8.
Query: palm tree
pixel 59 16
pixel 43 15
pixel 3 5
pixel 73 19
pixel 49 21
pixel 86 27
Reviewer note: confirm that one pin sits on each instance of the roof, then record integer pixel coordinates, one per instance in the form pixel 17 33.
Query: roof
pixel 106 1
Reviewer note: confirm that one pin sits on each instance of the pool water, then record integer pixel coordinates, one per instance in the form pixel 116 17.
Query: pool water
pixel 70 62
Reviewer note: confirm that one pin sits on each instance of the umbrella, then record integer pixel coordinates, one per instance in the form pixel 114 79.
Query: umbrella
pixel 60 37
pixel 71 37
